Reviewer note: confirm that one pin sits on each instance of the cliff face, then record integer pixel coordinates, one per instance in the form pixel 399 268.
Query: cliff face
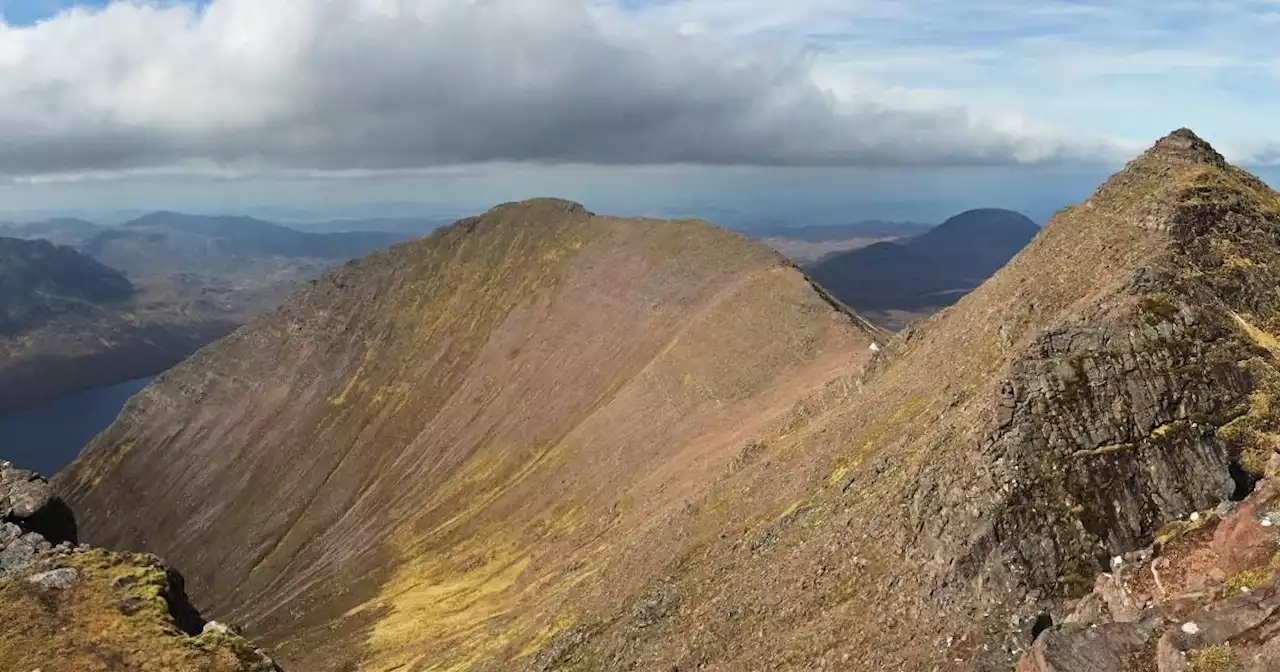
pixel 71 608
pixel 445 452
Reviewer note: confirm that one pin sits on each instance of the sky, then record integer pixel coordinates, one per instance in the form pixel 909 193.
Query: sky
pixel 742 109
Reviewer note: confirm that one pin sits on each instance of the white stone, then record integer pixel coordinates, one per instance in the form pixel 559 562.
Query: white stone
pixel 216 627
pixel 1190 628
pixel 58 579
pixel 1195 516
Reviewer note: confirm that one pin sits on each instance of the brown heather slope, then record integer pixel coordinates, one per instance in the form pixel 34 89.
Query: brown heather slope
pixel 449 452
pixel 918 515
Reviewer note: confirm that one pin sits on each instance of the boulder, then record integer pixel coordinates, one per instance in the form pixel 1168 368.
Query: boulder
pixel 19 553
pixel 216 628
pixel 1111 647
pixel 28 498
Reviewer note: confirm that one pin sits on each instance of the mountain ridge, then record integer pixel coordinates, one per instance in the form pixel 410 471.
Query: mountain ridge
pixel 748 486
pixel 529 334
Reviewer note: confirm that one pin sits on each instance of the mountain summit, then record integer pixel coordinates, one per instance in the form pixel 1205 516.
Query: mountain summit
pixel 547 440
pixel 1183 145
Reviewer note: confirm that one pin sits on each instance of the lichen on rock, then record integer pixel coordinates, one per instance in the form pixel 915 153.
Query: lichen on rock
pixel 68 608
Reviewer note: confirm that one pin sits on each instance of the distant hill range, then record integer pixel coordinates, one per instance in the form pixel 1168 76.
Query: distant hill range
pixel 894 281
pixel 41 282
pixel 171 242
pixel 819 233
pixel 411 226
pixel 112 303
pixel 69 323
pixel 812 243
pixel 185 242
pixel 59 230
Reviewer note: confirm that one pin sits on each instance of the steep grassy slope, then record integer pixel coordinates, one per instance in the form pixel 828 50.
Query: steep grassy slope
pixel 447 453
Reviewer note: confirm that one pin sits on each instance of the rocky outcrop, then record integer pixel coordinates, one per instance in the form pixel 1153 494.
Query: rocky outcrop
pixel 1205 597
pixel 32 518
pixel 67 608
pixel 1153 401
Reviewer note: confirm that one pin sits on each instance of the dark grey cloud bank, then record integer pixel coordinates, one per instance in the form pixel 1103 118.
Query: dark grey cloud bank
pixel 402 84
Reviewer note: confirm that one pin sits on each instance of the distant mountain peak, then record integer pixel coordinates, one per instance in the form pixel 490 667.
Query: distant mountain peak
pixel 993 221
pixel 925 273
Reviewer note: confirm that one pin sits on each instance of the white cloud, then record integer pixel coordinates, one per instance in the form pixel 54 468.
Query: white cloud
pixel 1254 153
pixel 1114 68
pixel 341 85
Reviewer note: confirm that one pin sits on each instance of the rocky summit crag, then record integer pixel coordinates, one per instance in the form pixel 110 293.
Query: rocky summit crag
pixel 72 608
pixel 547 440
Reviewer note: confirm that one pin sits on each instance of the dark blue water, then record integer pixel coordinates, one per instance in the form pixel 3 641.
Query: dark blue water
pixel 47 438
